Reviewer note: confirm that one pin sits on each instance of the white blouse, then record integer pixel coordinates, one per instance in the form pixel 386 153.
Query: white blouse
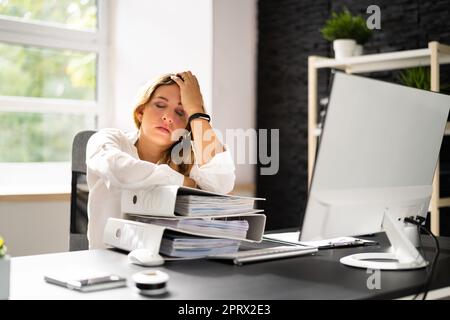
pixel 113 164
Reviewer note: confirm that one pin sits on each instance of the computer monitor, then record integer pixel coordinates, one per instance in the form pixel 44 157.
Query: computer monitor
pixel 375 166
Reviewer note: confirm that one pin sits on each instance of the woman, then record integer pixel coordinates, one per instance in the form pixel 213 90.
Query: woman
pixel 119 160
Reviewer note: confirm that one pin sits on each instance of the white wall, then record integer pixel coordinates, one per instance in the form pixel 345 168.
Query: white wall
pixel 234 71
pixel 150 38
pixel 35 227
pixel 216 39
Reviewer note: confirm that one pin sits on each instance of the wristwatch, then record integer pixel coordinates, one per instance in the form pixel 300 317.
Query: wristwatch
pixel 199 115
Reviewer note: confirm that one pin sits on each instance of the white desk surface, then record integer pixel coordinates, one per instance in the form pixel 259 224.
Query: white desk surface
pixel 27 275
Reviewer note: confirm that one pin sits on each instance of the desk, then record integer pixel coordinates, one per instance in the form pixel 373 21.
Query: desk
pixel 309 277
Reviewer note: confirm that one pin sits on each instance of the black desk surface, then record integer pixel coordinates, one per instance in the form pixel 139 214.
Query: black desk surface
pixel 308 277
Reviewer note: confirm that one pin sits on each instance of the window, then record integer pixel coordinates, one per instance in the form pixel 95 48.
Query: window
pixel 66 13
pixel 30 71
pixel 52 63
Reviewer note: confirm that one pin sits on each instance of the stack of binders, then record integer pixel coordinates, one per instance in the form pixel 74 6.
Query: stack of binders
pixel 181 222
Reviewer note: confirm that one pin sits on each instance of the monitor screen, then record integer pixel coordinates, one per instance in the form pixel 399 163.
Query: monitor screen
pixel 378 153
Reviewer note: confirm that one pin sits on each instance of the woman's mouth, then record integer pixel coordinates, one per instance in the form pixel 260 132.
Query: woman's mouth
pixel 164 130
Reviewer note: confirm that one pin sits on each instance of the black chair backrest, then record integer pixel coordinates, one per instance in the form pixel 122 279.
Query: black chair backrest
pixel 79 193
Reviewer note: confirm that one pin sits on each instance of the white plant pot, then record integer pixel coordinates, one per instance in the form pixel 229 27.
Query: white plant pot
pixel 5 271
pixel 358 50
pixel 343 48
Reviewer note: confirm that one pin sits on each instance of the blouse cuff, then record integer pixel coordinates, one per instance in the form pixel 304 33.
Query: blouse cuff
pixel 220 164
pixel 176 178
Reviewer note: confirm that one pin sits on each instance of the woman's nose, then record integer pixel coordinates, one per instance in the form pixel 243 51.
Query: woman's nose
pixel 166 118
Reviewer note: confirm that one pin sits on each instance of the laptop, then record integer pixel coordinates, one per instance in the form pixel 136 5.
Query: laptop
pixel 263 251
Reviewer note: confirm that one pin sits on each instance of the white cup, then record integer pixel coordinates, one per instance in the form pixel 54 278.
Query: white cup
pixel 358 50
pixel 343 48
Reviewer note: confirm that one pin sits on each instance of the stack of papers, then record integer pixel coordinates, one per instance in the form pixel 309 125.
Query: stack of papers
pixel 212 205
pixel 180 245
pixel 205 226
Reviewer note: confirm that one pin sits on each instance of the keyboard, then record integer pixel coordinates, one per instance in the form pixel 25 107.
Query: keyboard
pixel 277 252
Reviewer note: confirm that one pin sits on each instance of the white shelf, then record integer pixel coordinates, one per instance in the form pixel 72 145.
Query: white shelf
pixel 444 202
pixel 382 61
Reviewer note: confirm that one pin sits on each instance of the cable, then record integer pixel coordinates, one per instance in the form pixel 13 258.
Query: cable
pixel 422 252
pixel 418 221
pixel 433 264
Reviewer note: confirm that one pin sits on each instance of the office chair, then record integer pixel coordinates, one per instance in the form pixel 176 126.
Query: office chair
pixel 79 193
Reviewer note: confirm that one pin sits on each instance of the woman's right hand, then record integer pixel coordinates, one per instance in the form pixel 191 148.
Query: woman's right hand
pixel 191 96
pixel 188 182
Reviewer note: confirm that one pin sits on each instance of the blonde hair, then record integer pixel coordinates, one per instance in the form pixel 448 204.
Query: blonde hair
pixel 143 97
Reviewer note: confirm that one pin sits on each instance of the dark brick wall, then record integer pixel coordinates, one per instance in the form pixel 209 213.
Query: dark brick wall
pixel 288 34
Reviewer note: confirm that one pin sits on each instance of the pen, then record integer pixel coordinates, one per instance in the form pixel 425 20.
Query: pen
pixel 346 244
pixel 285 242
pixel 354 243
pixel 339 245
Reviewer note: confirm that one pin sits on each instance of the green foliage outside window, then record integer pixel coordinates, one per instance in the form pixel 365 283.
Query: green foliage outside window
pixel 46 73
pixel 39 137
pixel 80 14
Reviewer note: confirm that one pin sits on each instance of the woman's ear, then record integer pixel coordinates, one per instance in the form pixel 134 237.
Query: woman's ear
pixel 140 114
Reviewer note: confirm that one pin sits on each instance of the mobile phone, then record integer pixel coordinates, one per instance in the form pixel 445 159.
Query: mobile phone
pixel 88 283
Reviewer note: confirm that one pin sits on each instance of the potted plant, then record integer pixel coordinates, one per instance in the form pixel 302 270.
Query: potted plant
pixel 4 271
pixel 418 77
pixel 347 32
pixel 362 34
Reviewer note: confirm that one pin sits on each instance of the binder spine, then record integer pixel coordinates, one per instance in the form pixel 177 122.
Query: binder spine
pixel 129 235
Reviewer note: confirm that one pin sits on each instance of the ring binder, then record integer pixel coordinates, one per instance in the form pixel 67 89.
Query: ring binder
pixel 148 213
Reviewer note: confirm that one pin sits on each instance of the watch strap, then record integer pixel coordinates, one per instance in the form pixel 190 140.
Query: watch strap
pixel 199 115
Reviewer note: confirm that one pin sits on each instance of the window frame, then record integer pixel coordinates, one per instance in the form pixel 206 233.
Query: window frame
pixel 56 36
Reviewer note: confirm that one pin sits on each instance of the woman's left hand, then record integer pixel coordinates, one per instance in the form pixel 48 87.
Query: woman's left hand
pixel 188 182
pixel 191 97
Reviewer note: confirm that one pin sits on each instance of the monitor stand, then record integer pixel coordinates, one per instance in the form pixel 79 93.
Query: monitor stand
pixel 403 255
